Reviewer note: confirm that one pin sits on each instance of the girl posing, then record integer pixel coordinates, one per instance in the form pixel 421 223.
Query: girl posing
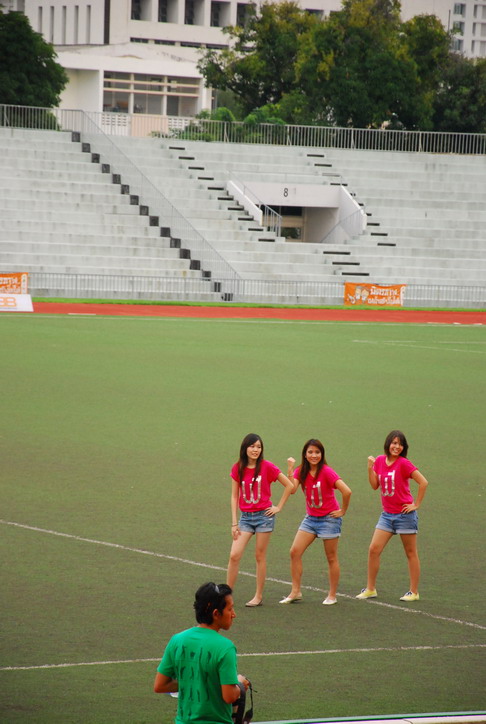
pixel 391 473
pixel 323 516
pixel 252 477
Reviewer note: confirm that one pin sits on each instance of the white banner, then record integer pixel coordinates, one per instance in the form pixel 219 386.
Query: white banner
pixel 16 303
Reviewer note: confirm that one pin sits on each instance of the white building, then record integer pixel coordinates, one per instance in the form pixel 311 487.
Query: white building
pixel 140 56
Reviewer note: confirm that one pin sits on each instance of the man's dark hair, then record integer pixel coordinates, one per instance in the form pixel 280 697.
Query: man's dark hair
pixel 209 597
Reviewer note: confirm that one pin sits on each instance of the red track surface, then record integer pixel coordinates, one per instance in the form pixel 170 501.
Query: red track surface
pixel 290 313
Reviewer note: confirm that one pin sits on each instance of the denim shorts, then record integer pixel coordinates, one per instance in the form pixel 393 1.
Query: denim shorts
pixel 400 523
pixel 322 526
pixel 256 522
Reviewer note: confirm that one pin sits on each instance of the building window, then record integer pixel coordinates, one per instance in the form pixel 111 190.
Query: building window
pixel 189 13
pixel 153 95
pixel 51 24
pixel 140 10
pixel 63 25
pixel 76 24
pixel 163 12
pixel 242 13
pixel 458 27
pixel 88 24
pixel 194 12
pixel 460 9
pixel 215 14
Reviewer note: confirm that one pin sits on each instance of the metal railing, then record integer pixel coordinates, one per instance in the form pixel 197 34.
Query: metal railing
pixel 368 139
pixel 225 282
pixel 275 291
pixel 264 215
pixel 142 125
pixel 140 186
pixel 347 228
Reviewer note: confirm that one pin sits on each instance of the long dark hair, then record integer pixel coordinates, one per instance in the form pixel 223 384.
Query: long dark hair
pixel 250 439
pixel 403 441
pixel 210 597
pixel 304 469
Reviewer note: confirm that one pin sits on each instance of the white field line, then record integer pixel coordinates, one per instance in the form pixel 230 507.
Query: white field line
pixel 165 556
pixel 414 345
pixel 318 652
pixel 239 320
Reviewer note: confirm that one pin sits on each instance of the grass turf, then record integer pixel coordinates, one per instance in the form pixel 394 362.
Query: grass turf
pixel 123 431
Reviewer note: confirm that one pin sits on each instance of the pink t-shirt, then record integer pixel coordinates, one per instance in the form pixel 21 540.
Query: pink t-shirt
pixel 255 494
pixel 394 485
pixel 320 498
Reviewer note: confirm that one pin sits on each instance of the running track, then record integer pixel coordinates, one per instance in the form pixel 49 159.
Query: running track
pixel 421 316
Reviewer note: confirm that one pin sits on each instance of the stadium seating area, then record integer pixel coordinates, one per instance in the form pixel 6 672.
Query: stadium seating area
pixel 61 213
pixel 431 208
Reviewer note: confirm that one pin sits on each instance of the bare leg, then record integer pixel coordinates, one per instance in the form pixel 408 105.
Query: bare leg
pixel 378 542
pixel 331 548
pixel 237 548
pixel 301 542
pixel 409 541
pixel 262 541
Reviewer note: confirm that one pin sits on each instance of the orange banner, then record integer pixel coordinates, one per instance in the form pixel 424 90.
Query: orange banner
pixel 14 283
pixel 373 295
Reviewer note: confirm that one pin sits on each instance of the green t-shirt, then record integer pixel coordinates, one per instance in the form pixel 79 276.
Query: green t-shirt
pixel 201 660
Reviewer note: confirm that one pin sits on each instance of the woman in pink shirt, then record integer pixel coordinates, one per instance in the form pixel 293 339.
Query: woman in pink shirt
pixel 251 478
pixel 391 473
pixel 323 516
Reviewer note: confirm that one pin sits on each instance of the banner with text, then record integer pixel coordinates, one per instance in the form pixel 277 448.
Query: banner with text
pixel 374 295
pixel 16 303
pixel 14 283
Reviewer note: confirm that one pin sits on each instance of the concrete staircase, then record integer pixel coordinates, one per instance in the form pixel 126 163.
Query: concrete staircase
pixel 61 214
pixel 432 214
pixel 193 176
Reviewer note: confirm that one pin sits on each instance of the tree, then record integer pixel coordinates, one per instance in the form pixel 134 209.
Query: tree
pixel 29 73
pixel 460 103
pixel 259 65
pixel 428 46
pixel 355 68
pixel 361 67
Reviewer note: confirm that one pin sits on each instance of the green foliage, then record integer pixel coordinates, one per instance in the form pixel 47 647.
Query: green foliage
pixel 265 73
pixel 29 73
pixel 361 67
pixel 461 101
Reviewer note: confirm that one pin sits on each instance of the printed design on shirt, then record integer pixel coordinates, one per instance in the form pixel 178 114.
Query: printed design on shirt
pixel 314 495
pixel 387 483
pixel 252 493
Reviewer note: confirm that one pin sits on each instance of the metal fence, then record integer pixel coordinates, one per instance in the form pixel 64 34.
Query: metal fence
pixel 225 283
pixel 369 139
pixel 142 125
pixel 98 286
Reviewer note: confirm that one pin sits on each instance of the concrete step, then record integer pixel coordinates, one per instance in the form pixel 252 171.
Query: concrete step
pixel 149 248
pixel 66 265
pixel 46 231
pixel 54 209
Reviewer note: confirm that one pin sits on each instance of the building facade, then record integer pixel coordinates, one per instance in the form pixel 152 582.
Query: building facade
pixel 140 56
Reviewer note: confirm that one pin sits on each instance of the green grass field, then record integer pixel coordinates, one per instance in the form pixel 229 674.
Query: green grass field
pixel 117 439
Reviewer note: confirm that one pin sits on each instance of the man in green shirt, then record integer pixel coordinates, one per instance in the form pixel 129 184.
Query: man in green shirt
pixel 200 664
